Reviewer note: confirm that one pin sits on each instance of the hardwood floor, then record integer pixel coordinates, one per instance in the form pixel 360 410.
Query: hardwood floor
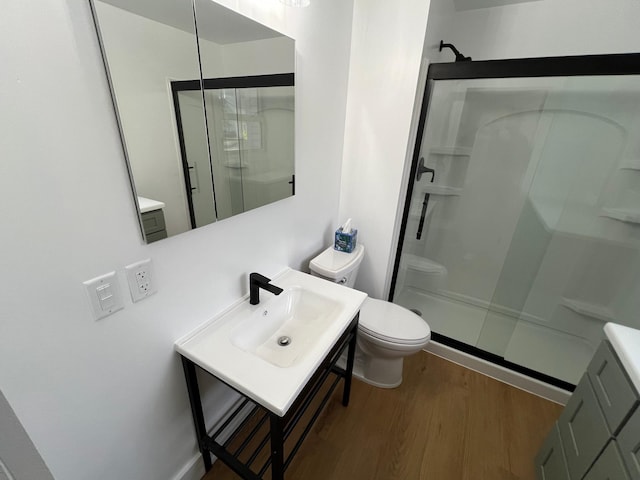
pixel 444 422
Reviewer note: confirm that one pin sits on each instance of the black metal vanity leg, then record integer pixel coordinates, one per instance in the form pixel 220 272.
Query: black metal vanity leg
pixel 346 392
pixel 277 447
pixel 196 410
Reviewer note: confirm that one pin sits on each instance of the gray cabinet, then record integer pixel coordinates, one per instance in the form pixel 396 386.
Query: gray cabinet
pixel 583 429
pixel 609 465
pixel 154 225
pixel 616 396
pixel 550 461
pixel 597 436
pixel 629 443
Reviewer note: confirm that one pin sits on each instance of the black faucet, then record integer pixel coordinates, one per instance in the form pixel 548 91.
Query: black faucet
pixel 256 282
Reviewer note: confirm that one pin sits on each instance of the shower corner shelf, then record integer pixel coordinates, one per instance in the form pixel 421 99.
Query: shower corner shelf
pixel 591 310
pixel 626 215
pixel 441 190
pixel 424 265
pixel 630 165
pixel 231 164
pixel 452 151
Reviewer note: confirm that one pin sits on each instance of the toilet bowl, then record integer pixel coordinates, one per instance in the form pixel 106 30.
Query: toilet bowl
pixel 386 333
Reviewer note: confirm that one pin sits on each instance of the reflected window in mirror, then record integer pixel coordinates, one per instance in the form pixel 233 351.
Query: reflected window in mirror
pixel 198 152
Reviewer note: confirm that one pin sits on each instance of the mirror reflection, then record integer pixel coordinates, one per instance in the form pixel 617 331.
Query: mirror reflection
pixel 207 122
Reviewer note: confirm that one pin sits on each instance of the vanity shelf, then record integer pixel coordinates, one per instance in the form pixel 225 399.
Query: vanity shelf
pixel 154 225
pixel 249 450
pixel 422 264
pixel 152 217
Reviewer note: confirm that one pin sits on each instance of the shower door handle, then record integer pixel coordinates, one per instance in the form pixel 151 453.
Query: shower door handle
pixel 422 169
pixel 292 182
pixel 425 204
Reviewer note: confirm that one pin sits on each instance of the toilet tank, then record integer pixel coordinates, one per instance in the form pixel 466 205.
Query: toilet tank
pixel 338 267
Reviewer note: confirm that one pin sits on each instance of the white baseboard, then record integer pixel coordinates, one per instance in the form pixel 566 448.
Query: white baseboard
pixel 193 470
pixel 502 374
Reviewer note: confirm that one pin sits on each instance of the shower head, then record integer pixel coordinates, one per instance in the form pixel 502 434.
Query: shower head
pixel 459 56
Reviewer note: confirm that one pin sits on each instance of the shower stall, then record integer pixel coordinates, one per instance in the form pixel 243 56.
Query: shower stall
pixel 521 229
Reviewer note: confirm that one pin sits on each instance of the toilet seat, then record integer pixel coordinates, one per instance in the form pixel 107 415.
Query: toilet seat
pixel 392 323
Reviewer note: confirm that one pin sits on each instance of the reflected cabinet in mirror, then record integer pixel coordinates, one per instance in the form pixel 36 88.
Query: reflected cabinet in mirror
pixel 206 121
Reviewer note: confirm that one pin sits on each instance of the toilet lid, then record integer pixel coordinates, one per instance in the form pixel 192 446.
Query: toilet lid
pixel 393 323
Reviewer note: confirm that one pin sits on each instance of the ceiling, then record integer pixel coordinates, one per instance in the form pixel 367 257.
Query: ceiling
pixel 215 22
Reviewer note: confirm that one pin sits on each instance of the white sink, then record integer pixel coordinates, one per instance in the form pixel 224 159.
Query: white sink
pixel 286 326
pixel 240 345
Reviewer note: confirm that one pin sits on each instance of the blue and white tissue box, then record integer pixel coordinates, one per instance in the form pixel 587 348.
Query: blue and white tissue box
pixel 346 242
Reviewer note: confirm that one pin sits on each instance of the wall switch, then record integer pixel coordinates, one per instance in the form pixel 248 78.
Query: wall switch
pixel 104 295
pixel 140 277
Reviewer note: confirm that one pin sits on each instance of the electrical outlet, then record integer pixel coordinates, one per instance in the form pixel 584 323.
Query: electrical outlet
pixel 140 277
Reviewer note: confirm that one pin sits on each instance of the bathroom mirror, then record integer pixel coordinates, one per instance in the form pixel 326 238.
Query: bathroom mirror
pixel 206 121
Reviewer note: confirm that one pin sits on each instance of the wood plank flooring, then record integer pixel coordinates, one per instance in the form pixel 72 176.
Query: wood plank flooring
pixel 444 422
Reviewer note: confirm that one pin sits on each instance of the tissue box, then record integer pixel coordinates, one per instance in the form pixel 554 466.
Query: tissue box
pixel 345 242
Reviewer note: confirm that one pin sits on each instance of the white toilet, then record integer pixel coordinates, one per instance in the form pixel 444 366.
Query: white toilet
pixel 387 332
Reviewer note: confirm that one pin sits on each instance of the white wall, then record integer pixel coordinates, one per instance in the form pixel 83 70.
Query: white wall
pixel 386 50
pixel 440 16
pixel 259 57
pixel 536 29
pixel 107 399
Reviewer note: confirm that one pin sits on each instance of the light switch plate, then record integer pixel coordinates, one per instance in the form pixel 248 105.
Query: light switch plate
pixel 104 295
pixel 141 279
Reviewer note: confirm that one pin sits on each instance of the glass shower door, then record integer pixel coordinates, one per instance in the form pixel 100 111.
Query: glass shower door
pixel 462 216
pixel 572 264
pixel 251 138
pixel 521 234
pixel 266 137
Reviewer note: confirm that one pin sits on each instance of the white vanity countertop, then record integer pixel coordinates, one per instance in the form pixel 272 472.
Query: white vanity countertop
pixel 148 205
pixel 274 387
pixel 626 343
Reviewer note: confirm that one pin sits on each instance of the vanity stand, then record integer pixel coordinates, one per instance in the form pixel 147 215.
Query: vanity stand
pixel 281 427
